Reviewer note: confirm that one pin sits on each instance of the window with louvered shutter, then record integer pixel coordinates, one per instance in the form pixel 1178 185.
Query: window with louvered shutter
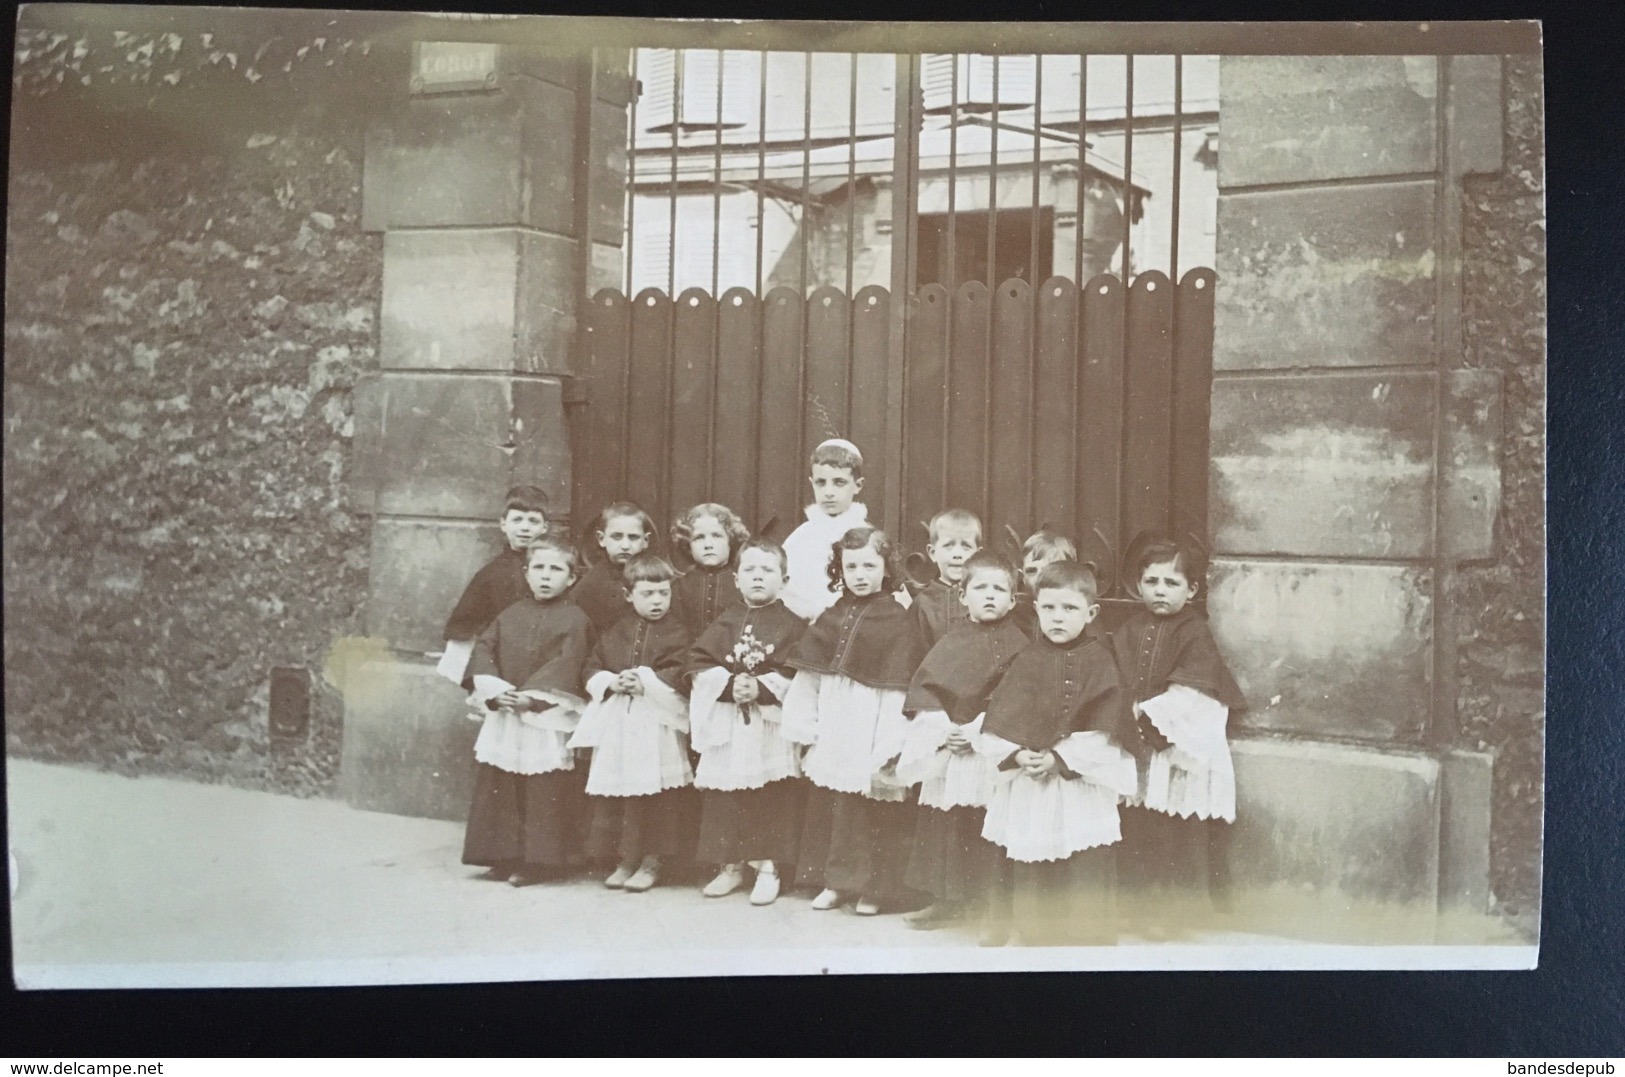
pixel 1017 78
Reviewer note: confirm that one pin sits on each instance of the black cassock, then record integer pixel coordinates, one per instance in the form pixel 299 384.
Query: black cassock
pixel 737 825
pixel 528 821
pixel 950 860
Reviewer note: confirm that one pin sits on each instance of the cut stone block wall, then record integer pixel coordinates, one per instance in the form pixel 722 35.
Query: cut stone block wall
pixel 1343 381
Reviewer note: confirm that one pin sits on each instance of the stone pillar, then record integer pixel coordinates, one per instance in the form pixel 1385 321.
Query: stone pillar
pixel 491 192
pixel 1338 399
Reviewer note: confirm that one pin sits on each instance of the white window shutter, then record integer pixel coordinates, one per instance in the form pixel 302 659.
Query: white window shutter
pixel 657 71
pixel 937 80
pixel 1017 79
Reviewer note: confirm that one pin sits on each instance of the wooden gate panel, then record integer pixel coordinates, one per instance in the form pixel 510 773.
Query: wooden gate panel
pixel 738 406
pixel 1055 420
pixel 782 489
pixel 1086 410
pixel 1192 400
pixel 649 409
pixel 967 429
pixel 1011 420
pixel 1148 407
pixel 1100 422
pixel 871 333
pixel 600 464
pixel 825 412
pixel 925 442
pixel 693 402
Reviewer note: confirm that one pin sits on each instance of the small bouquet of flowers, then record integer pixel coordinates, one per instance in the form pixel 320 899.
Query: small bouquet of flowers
pixel 748 655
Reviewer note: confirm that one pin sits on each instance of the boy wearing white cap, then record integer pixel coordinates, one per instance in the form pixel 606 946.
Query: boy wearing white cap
pixel 837 479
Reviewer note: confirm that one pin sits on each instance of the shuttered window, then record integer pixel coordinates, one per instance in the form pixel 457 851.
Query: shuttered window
pixel 1013 90
pixel 658 70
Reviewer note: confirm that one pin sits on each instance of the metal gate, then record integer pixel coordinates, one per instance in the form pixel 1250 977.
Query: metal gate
pixel 1030 402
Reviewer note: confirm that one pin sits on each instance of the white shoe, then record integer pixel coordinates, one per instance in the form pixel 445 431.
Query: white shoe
pixel 645 877
pixel 867 907
pixel 729 879
pixel 618 877
pixel 766 890
pixel 827 899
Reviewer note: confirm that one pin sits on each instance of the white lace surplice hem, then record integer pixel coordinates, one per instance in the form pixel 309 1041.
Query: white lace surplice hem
pixel 560 718
pixel 736 754
pixel 947 779
pixel 1195 776
pixel 1051 818
pixel 638 742
pixel 854 732
pixel 509 744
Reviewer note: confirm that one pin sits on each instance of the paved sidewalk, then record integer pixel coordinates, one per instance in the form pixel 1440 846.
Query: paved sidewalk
pixel 158 882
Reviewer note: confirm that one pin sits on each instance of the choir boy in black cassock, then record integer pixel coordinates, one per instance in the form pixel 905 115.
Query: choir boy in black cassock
pixel 636 724
pixel 526 669
pixel 751 800
pixel 708 536
pixel 1061 733
pixel 620 533
pixel 846 703
pixel 501 582
pixel 1176 833
pixel 950 859
pixel 939 607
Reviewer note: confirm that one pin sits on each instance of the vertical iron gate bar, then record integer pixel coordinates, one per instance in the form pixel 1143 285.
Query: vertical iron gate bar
pixel 992 290
pixel 631 180
pixel 761 169
pixel 805 230
pixel 624 475
pixel 716 293
pixel 952 276
pixel 1123 477
pixel 993 192
pixel 904 213
pixel 716 191
pixel 1128 165
pixel 1179 117
pixel 851 224
pixel 676 113
pixel 1038 122
pixel 1036 282
pixel 581 362
pixel 1083 145
pixel 851 181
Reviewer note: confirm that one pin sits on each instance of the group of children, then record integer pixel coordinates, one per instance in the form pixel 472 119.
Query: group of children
pixel 798 711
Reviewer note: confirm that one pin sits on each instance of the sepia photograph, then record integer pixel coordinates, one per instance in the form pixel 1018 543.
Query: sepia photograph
pixel 510 498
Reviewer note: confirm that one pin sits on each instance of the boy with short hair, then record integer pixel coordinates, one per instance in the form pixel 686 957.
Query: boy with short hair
pixel 939 607
pixel 1060 728
pixel 501 582
pixel 1043 547
pixel 836 480
pixel 950 860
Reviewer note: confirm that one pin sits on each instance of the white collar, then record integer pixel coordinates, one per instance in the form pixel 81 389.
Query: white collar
pixel 856 516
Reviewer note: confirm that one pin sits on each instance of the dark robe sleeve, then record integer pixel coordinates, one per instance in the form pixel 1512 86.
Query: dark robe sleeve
pixel 566 643
pixel 670 663
pixel 1108 709
pixel 468 616
pixel 484 658
pixel 1199 665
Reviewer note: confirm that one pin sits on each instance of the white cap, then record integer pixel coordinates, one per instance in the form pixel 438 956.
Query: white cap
pixel 841 443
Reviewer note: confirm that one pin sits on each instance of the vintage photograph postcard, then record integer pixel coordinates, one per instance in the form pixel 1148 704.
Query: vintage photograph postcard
pixel 533 498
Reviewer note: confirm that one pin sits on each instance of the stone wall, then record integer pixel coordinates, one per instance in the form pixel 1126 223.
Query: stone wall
pixel 1501 602
pixel 1377 461
pixel 186 317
